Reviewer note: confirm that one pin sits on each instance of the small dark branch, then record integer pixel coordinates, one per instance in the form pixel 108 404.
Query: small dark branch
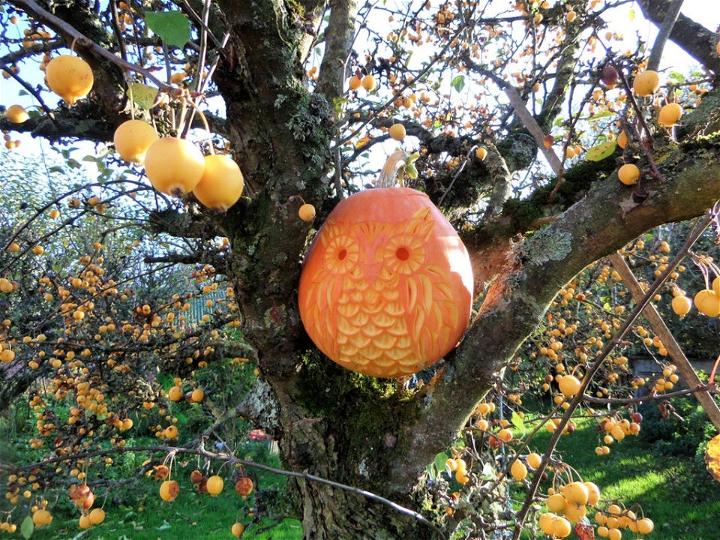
pixel 33 91
pixel 557 95
pixel 501 182
pixel 524 116
pixel 84 121
pixel 703 388
pixel 175 258
pixel 198 448
pixel 181 225
pixel 187 8
pixel 646 141
pixel 35 48
pixel 661 330
pixel 213 258
pixel 115 20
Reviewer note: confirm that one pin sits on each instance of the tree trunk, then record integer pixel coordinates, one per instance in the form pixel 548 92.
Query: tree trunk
pixel 345 452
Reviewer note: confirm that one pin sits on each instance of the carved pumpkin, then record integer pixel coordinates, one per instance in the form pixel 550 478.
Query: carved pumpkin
pixel 386 288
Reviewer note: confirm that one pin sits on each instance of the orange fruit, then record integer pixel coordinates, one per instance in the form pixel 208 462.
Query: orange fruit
pixel 16 114
pixel 518 470
pixel 623 139
pixel 368 83
pixel 97 516
pixel 237 529
pixel 708 302
pixel 556 502
pixel 569 385
pixel 169 490
pixel 534 460
pixel 222 183
pixel 354 82
pixel 646 83
pixel 481 153
pixel 215 485
pixel 174 165
pixel 681 305
pixel 306 212
pixel 70 77
pixel 175 393
pixel 133 138
pixel 669 114
pixel 397 132
pixel 629 174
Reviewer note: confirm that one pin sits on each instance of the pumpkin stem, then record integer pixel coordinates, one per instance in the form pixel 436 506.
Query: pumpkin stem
pixel 394 163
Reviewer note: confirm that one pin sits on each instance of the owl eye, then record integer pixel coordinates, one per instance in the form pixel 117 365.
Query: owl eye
pixel 402 253
pixel 341 255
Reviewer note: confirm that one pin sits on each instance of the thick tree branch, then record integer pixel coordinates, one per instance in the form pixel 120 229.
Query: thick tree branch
pixel 602 222
pixel 689 35
pixel 671 16
pixel 339 37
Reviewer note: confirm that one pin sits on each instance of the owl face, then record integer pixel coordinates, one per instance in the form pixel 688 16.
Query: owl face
pixel 370 250
pixel 386 293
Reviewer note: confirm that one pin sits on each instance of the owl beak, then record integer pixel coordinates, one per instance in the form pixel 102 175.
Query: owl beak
pixel 372 271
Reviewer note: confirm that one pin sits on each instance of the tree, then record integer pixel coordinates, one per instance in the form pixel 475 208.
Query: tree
pixel 280 71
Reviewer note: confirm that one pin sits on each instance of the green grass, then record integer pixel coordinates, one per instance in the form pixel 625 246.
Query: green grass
pixel 191 516
pixel 137 513
pixel 632 473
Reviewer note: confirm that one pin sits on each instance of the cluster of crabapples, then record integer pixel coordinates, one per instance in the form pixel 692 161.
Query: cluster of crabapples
pixel 83 498
pixel 566 505
pixel 707 301
pixel 569 504
pixel 615 429
pixel 645 85
pixel 174 166
pixel 212 485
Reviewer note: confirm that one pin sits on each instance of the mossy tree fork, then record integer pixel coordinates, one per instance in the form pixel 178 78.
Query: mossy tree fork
pixel 330 422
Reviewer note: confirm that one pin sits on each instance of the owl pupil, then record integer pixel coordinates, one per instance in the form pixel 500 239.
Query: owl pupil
pixel 402 253
pixel 342 254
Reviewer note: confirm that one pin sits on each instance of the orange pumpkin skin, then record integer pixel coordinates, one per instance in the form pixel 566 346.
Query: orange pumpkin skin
pixel 386 289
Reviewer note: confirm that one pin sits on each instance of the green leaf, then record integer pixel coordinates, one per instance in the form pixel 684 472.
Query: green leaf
pixel 173 27
pixel 517 421
pixel 598 116
pixel 339 103
pixel 412 158
pixel 601 151
pixel 458 83
pixel 440 460
pixel 142 95
pixel 411 171
pixel 677 77
pixel 27 527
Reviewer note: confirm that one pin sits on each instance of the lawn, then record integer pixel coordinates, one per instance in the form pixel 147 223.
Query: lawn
pixel 632 473
pixel 191 516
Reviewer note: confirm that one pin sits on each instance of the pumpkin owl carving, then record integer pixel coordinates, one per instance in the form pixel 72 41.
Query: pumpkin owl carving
pixel 386 287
